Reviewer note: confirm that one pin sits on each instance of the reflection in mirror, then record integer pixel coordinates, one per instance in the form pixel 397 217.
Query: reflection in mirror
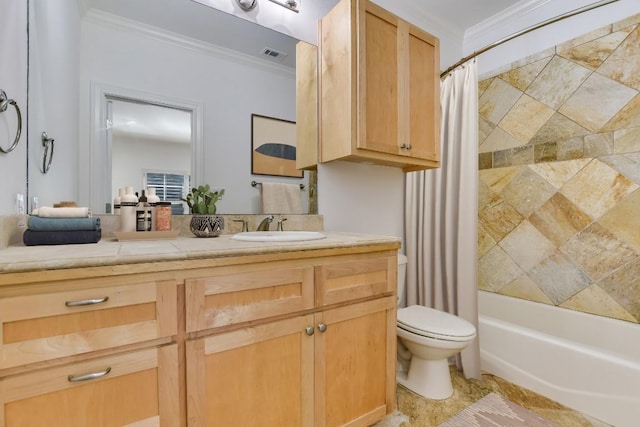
pixel 177 51
pixel 138 137
pixel 150 147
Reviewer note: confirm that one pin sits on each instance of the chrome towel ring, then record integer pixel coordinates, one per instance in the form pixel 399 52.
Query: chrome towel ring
pixel 4 104
pixel 46 143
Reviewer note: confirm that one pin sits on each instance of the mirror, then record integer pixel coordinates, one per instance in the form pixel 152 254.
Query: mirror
pixel 174 53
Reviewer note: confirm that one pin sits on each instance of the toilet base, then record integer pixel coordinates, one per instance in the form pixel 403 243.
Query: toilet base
pixel 428 378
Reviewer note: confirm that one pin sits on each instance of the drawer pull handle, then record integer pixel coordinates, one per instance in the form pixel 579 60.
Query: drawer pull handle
pixel 308 330
pixel 86 377
pixel 322 327
pixel 84 302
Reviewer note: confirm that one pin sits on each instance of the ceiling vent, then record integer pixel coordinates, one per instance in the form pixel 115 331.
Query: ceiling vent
pixel 273 54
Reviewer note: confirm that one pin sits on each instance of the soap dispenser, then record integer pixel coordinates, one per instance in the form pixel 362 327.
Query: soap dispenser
pixel 153 200
pixel 143 214
pixel 117 201
pixel 128 204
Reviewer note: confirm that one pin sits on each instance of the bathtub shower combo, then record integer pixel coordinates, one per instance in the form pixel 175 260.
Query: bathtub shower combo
pixel 586 362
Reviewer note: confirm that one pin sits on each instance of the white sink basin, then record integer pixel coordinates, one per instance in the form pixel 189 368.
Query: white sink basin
pixel 278 236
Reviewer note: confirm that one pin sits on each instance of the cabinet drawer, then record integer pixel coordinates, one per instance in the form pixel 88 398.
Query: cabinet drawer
pixel 226 298
pixel 97 392
pixel 34 328
pixel 355 278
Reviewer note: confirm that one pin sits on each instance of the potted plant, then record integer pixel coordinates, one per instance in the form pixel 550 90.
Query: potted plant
pixel 202 203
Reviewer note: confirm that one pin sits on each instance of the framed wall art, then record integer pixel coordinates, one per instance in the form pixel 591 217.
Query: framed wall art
pixel 273 147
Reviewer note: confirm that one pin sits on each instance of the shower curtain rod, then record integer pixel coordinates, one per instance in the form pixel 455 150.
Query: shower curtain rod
pixel 528 30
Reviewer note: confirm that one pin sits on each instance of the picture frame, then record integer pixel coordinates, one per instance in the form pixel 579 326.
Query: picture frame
pixel 273 147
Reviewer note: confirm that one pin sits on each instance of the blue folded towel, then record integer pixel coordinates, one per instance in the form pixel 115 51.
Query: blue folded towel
pixel 58 224
pixel 36 238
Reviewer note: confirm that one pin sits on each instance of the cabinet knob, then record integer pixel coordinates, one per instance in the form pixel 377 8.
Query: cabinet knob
pixel 308 330
pixel 322 327
pixel 406 146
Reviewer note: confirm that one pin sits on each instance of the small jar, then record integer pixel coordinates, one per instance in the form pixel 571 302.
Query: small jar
pixel 163 216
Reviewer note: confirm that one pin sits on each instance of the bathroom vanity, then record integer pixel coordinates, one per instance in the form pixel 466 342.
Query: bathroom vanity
pixel 199 332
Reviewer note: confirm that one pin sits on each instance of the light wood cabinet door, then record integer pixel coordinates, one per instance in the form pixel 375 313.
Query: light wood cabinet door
pixel 380 93
pixel 45 326
pixel 258 376
pixel 421 70
pixel 355 364
pixel 139 388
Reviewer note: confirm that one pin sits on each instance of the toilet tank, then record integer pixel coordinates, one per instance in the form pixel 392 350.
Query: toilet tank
pixel 402 275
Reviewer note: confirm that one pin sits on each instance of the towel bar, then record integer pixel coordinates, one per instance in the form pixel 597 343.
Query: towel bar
pixel 46 143
pixel 4 104
pixel 255 183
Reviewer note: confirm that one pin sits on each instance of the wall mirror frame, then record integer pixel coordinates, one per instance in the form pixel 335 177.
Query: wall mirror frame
pixel 101 192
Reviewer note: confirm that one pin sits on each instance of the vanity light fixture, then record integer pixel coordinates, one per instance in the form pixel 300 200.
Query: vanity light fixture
pixel 288 4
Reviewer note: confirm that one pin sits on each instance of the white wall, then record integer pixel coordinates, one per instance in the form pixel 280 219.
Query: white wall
pixel 361 198
pixel 231 88
pixel 13 80
pixel 54 34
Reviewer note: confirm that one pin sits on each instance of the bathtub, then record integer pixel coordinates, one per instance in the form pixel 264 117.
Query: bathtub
pixel 586 362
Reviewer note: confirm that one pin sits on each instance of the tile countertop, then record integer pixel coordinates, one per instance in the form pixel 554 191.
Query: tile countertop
pixel 112 252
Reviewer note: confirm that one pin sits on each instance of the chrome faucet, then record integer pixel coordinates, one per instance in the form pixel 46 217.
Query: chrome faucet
pixel 265 223
pixel 245 224
pixel 280 221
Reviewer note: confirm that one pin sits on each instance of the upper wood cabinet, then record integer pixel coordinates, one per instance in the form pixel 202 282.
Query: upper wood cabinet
pixel 380 89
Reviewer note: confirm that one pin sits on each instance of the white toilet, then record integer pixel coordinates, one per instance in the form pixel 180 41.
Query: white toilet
pixel 431 336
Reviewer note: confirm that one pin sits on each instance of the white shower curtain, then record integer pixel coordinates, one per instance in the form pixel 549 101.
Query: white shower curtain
pixel 441 211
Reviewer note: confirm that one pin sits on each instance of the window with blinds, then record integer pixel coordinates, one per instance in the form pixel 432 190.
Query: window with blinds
pixel 170 187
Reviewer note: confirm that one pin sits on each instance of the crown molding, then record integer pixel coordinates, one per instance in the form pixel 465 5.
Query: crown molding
pixel 415 13
pixel 489 29
pixel 119 23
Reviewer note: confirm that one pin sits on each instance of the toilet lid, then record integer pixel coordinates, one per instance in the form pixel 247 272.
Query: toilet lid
pixel 432 323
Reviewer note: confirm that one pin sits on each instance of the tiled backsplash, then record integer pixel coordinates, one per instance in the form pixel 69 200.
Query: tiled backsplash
pixel 559 202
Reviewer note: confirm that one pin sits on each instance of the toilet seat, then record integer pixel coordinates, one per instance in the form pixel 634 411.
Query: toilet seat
pixel 430 323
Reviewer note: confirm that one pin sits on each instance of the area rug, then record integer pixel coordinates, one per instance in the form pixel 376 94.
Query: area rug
pixel 494 410
pixel 394 419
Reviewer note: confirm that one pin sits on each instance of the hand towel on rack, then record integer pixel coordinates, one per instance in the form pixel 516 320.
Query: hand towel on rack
pixel 278 198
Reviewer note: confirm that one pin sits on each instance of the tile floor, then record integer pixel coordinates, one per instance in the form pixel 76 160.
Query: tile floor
pixel 427 413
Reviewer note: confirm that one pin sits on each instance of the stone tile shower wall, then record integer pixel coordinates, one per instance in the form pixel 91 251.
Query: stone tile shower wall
pixel 559 197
